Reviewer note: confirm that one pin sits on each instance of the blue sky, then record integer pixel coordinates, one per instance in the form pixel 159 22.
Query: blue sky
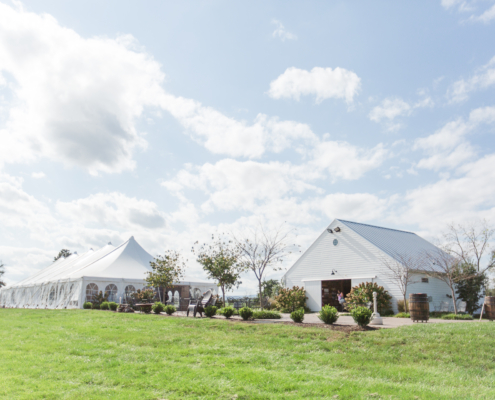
pixel 176 120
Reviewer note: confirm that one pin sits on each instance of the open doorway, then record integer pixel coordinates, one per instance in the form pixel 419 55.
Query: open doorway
pixel 330 289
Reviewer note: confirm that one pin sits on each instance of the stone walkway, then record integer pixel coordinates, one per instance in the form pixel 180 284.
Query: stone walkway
pixel 388 322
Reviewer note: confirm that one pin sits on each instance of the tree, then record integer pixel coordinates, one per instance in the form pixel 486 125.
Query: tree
pixel 271 287
pixel 2 271
pixel 264 250
pixel 401 271
pixel 469 242
pixel 166 270
pixel 62 253
pixel 222 262
pixel 363 293
pixel 471 290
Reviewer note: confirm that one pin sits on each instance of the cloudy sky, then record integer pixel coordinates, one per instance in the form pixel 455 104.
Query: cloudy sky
pixel 176 120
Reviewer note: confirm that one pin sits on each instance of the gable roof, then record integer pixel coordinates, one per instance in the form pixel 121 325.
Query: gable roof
pixel 397 244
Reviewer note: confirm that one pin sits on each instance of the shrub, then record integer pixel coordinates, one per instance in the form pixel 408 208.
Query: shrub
pixel 144 296
pixel 363 293
pixel 95 306
pixel 291 299
pixel 265 314
pixel 387 313
pixel 298 315
pixel 328 314
pixel 169 309
pixel 402 315
pixel 158 307
pixel 113 305
pixel 245 313
pixel 458 316
pixel 88 305
pixel 210 311
pixel 227 312
pixel 105 306
pixel 361 315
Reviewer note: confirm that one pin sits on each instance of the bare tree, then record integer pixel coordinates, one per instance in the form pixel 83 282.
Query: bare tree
pixel 2 271
pixel 401 270
pixel 264 250
pixel 470 242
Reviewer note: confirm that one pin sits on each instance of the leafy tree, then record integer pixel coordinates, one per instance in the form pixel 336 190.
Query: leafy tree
pixel 166 270
pixel 221 261
pixel 62 253
pixel 471 288
pixel 271 287
pixel 2 271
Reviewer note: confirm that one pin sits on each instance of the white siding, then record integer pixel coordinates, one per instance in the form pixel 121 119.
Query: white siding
pixel 313 293
pixel 353 256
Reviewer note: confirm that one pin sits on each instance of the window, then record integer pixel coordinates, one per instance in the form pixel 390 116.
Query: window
pixel 129 290
pixel 176 298
pixel 424 280
pixel 91 291
pixel 111 292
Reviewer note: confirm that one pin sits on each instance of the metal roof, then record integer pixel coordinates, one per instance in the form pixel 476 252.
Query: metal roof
pixel 395 243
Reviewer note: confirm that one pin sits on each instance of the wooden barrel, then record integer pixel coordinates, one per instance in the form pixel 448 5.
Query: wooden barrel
pixel 490 307
pixel 419 308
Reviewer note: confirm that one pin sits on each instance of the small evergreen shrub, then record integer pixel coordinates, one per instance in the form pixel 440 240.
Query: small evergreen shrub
pixel 298 315
pixel 245 313
pixel 266 314
pixel 95 306
pixel 210 311
pixel 328 314
pixel 88 305
pixel 170 309
pixel 113 305
pixel 104 306
pixel 361 315
pixel 227 312
pixel 158 307
pixel 458 316
pixel 402 315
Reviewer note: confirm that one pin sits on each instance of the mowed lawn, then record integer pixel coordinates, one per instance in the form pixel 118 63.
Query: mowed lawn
pixel 85 354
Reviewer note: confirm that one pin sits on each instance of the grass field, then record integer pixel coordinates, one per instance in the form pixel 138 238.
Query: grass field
pixel 84 354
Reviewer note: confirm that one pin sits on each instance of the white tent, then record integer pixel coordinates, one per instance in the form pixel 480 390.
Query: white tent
pixel 69 282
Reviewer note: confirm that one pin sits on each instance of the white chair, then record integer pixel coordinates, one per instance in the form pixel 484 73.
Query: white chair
pixel 444 306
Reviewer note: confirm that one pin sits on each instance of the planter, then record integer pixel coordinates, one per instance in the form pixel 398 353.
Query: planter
pixel 419 308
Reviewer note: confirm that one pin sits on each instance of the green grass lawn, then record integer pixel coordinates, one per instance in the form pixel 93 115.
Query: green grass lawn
pixel 85 354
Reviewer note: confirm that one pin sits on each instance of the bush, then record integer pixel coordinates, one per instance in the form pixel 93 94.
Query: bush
pixel 387 313
pixel 169 309
pixel 95 306
pixel 210 311
pixel 245 313
pixel 88 305
pixel 105 306
pixel 113 305
pixel 363 293
pixel 158 307
pixel 361 315
pixel 458 316
pixel 298 315
pixel 402 315
pixel 227 312
pixel 266 314
pixel 291 299
pixel 328 314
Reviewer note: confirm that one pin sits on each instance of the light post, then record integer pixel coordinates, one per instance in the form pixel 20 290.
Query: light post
pixel 375 318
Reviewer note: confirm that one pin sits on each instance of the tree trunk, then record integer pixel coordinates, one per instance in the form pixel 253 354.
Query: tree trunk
pixel 454 300
pixel 223 292
pixel 261 300
pixel 405 303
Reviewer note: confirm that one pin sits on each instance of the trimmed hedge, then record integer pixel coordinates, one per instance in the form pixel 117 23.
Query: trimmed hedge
pixel 328 314
pixel 105 306
pixel 170 309
pixel 246 313
pixel 210 311
pixel 88 305
pixel 458 316
pixel 361 315
pixel 158 307
pixel 113 305
pixel 297 316
pixel 402 315
pixel 265 314
pixel 227 312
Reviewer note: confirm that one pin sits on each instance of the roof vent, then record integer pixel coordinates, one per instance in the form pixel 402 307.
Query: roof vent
pixel 337 229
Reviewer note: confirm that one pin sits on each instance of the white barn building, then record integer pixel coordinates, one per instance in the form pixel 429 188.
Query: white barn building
pixel 348 253
pixel 69 282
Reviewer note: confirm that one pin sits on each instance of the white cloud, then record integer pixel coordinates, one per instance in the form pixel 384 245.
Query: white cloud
pixel 487 16
pixel 448 147
pixel 389 109
pixel 482 79
pixel 324 83
pixel 281 32
pixel 76 99
pixel 38 175
pixel 356 207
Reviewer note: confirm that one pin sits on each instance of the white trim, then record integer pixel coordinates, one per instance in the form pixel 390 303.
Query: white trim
pixel 339 278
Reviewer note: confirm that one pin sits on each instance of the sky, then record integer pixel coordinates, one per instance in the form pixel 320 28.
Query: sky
pixel 174 121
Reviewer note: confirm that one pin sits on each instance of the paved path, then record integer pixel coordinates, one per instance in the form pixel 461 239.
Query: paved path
pixel 388 322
